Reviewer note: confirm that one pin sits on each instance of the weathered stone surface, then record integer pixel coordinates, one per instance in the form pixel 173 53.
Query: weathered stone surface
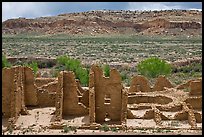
pixel 59 98
pixel 187 114
pixel 162 82
pixel 136 99
pixel 108 95
pixel 30 88
pixel 195 102
pixel 43 81
pixel 71 104
pixel 139 83
pixel 196 87
pixel 67 100
pixel 13 101
pixel 105 98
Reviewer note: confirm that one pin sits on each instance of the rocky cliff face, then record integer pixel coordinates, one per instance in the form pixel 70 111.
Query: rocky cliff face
pixel 108 22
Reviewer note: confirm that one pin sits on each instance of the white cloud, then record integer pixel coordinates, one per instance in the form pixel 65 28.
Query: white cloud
pixel 196 9
pixel 38 9
pixel 23 9
pixel 151 6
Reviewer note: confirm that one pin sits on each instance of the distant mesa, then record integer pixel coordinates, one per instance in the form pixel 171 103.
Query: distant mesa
pixel 166 22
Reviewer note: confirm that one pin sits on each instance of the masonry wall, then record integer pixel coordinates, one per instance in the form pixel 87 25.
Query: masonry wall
pixel 13 92
pixel 71 104
pixel 30 88
pixel 141 84
pixel 105 97
pixel 67 98
pixel 7 88
pixel 108 95
pixel 43 81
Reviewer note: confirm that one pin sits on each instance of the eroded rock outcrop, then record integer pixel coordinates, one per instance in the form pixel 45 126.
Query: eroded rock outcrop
pixel 108 22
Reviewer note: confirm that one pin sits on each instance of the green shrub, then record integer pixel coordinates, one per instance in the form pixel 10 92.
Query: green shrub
pixel 62 60
pixel 66 129
pixel 5 62
pixel 106 70
pixel 69 64
pixel 153 67
pixel 34 66
pixel 72 64
pixel 83 75
pixel 114 129
pixel 123 75
pixel 104 127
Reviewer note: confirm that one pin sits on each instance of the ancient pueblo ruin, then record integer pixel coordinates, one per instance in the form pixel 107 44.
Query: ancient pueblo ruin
pixel 105 101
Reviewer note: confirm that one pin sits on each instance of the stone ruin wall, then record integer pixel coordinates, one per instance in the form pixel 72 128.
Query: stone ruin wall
pixel 105 95
pixel 46 91
pixel 141 84
pixel 67 97
pixel 70 96
pixel 108 96
pixel 15 91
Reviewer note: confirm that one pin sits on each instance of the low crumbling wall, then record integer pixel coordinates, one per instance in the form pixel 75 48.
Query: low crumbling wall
pixel 195 102
pixel 196 87
pixel 162 82
pixel 46 91
pixel 187 113
pixel 43 81
pixel 139 83
pixel 46 98
pixel 104 98
pixel 136 99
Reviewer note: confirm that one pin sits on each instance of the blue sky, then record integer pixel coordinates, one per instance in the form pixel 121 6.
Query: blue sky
pixel 39 9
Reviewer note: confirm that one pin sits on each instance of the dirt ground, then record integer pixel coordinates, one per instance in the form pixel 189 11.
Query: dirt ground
pixel 38 121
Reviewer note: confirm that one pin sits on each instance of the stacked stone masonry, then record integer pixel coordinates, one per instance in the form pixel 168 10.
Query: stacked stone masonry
pixel 104 101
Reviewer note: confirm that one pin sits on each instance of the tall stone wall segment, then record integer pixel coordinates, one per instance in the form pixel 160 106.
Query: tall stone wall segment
pixel 13 93
pixel 30 88
pixel 109 95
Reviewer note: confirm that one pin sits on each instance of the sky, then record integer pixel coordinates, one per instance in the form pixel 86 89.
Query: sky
pixel 42 9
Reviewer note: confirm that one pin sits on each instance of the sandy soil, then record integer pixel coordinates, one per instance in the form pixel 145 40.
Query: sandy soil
pixel 39 120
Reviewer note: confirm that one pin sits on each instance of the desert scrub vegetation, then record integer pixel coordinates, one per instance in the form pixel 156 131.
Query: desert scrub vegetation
pixel 67 129
pixel 104 127
pixel 5 62
pixel 124 49
pixel 66 63
pixel 106 70
pixel 183 73
pixel 153 67
pixel 33 65
pixel 191 68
